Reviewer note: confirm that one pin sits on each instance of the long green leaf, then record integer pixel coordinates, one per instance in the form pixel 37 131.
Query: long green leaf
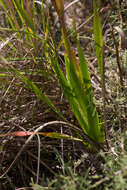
pixel 92 115
pixel 98 39
pixel 59 136
pixel 10 19
pixel 23 14
pixel 39 93
pixel 69 95
pixel 46 134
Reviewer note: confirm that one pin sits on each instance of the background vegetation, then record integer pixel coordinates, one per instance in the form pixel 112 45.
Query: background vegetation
pixel 63 89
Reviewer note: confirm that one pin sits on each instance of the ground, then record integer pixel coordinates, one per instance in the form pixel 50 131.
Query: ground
pixel 21 110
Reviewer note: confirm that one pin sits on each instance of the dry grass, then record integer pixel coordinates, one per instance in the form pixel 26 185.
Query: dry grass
pixel 20 109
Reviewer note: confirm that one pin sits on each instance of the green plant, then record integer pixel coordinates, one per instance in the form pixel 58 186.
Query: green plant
pixel 22 21
pixel 76 85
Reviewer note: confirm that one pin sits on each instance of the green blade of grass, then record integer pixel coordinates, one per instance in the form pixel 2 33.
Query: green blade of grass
pixel 38 92
pixel 69 94
pixel 10 19
pixel 59 136
pixel 92 115
pixel 23 14
pixel 98 39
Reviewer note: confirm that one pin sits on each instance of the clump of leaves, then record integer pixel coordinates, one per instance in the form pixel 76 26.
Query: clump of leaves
pixel 76 84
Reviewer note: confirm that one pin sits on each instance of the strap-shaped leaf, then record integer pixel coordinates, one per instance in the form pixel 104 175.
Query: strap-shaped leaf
pixel 46 134
pixel 92 115
pixel 38 92
pixel 23 14
pixel 98 39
